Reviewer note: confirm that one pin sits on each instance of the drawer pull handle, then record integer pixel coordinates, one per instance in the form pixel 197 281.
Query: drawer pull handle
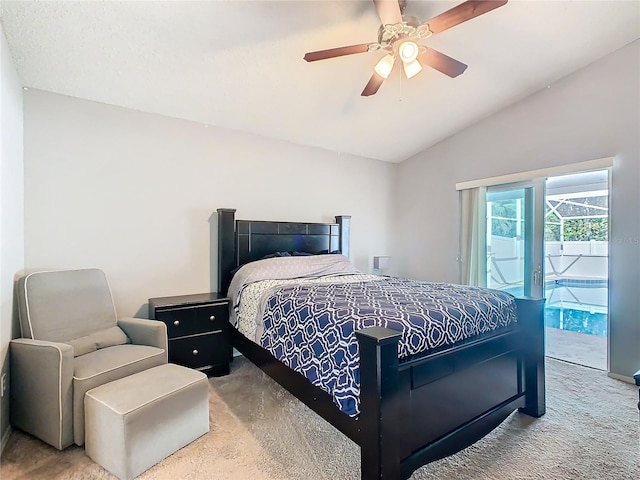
pixel 217 331
pixel 195 352
pixel 212 318
pixel 176 323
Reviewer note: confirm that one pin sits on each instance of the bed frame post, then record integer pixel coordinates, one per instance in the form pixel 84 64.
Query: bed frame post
pixel 636 377
pixel 531 315
pixel 344 223
pixel 380 408
pixel 226 247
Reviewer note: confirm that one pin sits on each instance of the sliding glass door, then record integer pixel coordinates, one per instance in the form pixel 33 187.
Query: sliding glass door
pixel 515 238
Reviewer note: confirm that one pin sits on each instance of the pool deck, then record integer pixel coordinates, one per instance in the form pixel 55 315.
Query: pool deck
pixel 574 347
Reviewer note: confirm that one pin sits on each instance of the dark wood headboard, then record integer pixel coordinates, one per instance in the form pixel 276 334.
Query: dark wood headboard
pixel 244 241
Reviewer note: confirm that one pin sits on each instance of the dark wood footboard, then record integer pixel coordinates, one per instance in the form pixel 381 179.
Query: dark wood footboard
pixel 425 408
pixel 531 319
pixel 382 401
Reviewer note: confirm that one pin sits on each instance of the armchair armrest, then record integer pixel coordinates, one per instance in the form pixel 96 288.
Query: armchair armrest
pixel 145 332
pixel 42 390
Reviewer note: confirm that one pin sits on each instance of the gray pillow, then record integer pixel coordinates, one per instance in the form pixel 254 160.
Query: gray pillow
pixel 97 340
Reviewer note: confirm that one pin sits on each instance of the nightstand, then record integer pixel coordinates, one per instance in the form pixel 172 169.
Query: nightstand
pixel 198 330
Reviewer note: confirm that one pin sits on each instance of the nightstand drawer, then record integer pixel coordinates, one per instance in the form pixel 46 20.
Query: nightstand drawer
pixel 183 321
pixel 180 322
pixel 200 350
pixel 215 316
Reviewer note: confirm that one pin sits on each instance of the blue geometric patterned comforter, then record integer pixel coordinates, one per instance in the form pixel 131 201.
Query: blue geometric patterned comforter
pixel 309 327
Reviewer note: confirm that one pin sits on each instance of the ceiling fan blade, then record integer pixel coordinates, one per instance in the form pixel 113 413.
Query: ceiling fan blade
pixel 336 52
pixel 388 11
pixel 463 12
pixel 374 84
pixel 442 63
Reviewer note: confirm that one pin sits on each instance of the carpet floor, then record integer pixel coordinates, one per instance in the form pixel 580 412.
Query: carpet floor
pixel 260 432
pixel 576 347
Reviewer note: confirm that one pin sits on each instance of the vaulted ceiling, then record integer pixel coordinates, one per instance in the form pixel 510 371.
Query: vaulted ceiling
pixel 238 64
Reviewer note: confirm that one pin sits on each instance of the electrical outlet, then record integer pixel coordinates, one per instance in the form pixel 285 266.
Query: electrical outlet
pixel 4 383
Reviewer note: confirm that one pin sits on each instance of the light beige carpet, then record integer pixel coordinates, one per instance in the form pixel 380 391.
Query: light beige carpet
pixel 576 347
pixel 260 432
pixel 228 451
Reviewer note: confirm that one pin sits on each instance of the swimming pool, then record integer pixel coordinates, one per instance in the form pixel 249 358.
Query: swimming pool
pixel 581 321
pixel 576 305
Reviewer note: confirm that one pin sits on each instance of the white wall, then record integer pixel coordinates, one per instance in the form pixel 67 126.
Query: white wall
pixel 11 210
pixel 133 193
pixel 593 113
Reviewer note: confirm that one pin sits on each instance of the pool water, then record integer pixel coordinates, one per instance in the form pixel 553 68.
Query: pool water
pixel 582 321
pixel 575 305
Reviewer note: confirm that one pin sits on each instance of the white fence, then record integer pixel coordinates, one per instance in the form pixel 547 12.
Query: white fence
pixel 585 260
pixel 577 259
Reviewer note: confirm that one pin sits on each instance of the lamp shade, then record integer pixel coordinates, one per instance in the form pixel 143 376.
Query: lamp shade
pixel 408 51
pixel 385 65
pixel 412 69
pixel 381 263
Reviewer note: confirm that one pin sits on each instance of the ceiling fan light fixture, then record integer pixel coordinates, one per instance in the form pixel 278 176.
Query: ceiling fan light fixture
pixel 385 65
pixel 408 52
pixel 400 36
pixel 412 69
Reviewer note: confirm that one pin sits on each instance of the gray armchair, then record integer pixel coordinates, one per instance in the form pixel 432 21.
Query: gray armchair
pixel 72 342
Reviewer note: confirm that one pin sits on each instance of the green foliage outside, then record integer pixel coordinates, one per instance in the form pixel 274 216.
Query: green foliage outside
pixel 505 226
pixel 575 229
pixel 578 230
pixel 552 228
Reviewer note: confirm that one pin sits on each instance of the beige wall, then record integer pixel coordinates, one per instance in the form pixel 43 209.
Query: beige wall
pixel 133 194
pixel 593 113
pixel 11 211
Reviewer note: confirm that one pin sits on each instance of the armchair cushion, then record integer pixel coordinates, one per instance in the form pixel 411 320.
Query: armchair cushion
pixel 108 337
pixel 103 366
pixel 65 304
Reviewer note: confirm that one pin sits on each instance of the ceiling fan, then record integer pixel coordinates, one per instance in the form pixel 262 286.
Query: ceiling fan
pixel 400 34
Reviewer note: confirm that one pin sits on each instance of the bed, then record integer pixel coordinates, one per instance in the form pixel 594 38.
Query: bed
pixel 411 410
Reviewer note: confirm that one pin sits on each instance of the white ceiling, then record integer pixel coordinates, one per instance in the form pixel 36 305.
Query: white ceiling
pixel 238 64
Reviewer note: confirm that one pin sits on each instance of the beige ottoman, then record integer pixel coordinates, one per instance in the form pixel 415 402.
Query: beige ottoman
pixel 134 422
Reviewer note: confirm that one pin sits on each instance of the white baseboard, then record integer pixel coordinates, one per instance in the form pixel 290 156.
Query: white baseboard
pixel 622 377
pixel 5 438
